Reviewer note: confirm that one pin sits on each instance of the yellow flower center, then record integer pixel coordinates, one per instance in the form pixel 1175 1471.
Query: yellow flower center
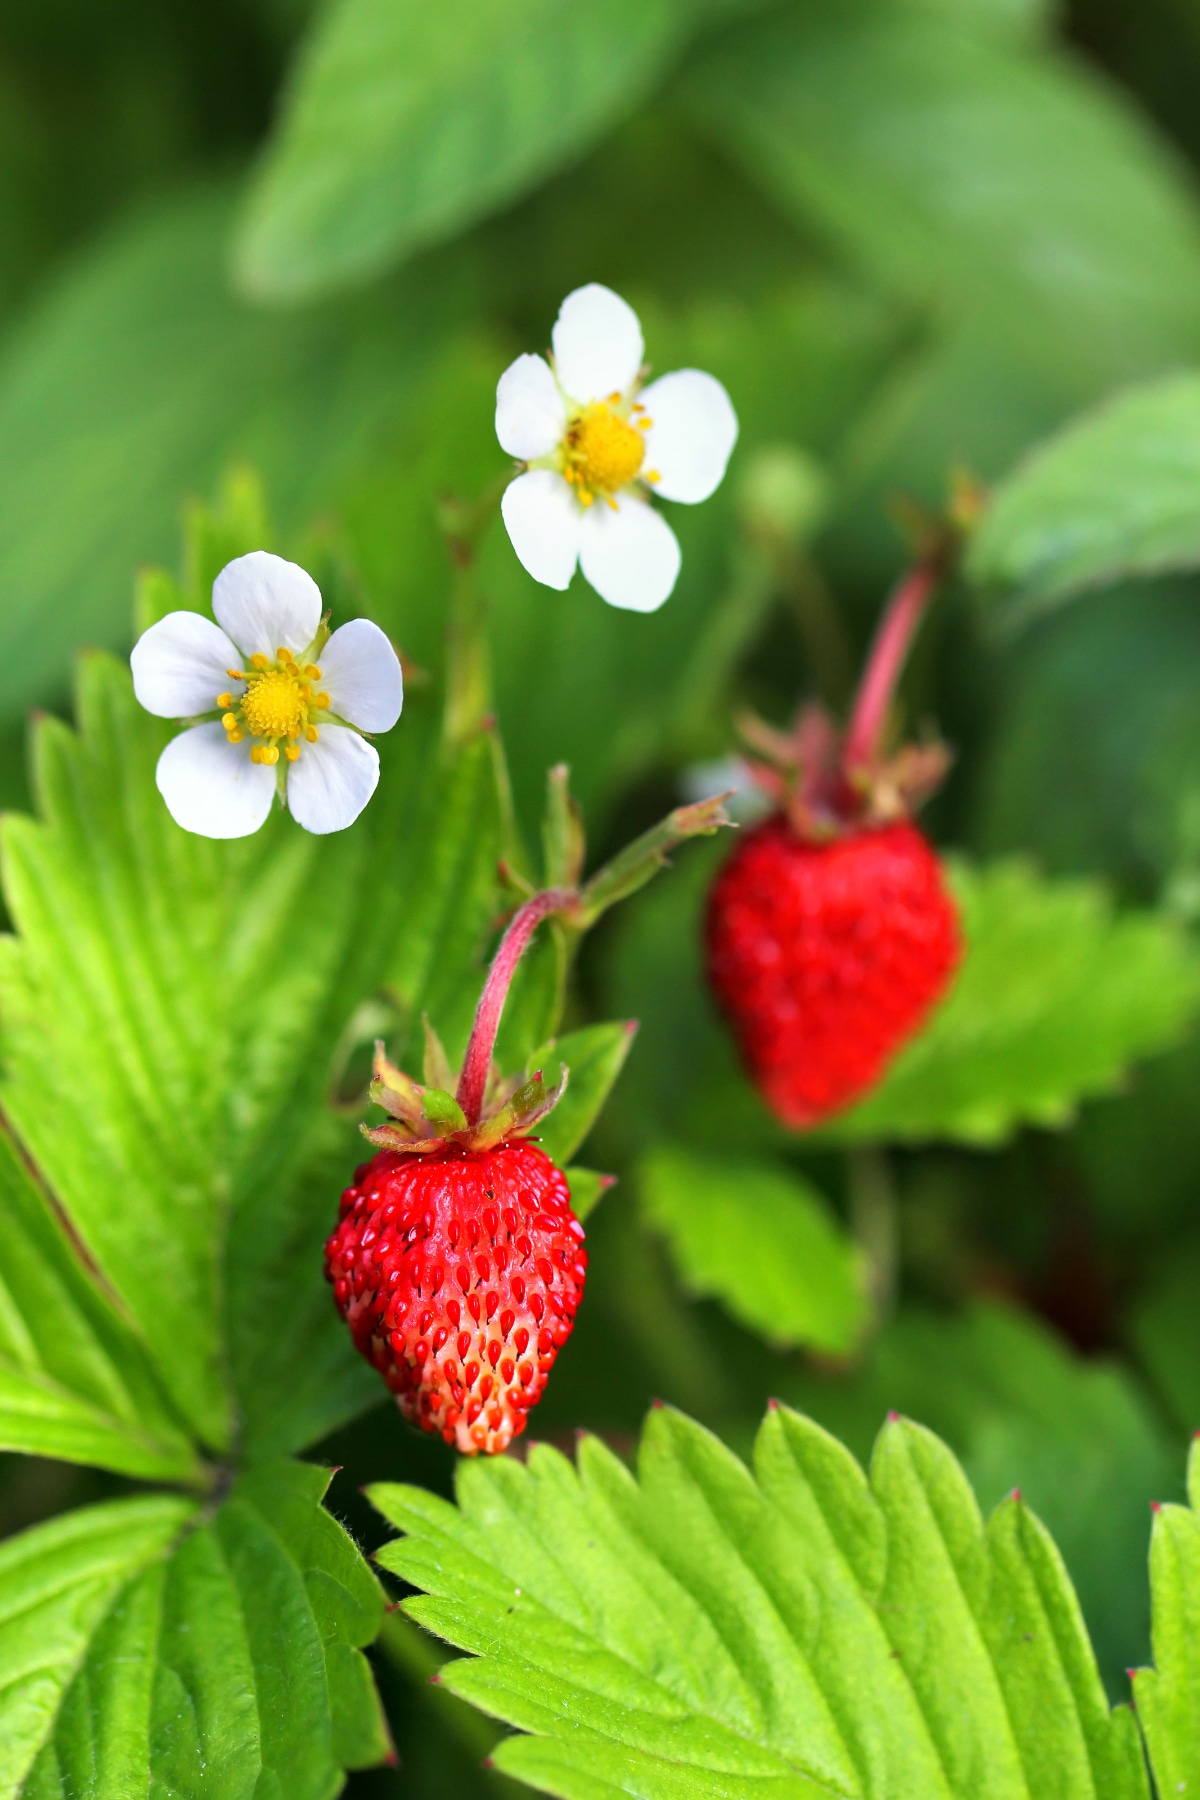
pixel 273 705
pixel 278 703
pixel 603 451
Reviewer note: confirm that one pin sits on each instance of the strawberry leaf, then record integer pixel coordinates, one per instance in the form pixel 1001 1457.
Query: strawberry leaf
pixel 1109 497
pixel 1056 997
pixel 595 1057
pixel 175 1653
pixel 763 1241
pixel 196 993
pixel 1168 1696
pixel 405 125
pixel 697 1627
pixel 75 1379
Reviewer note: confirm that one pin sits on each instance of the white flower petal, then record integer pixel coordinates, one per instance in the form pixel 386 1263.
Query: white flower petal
pixel 630 556
pixel 531 414
pixel 210 785
pixel 543 519
pixel 181 664
pixel 693 434
pixel 265 602
pixel 361 674
pixel 332 780
pixel 597 344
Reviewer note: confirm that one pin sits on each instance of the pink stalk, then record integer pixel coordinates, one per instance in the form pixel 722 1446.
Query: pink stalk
pixel 478 1060
pixel 893 639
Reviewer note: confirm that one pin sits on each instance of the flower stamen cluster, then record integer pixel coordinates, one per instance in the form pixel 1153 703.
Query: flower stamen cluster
pixel 604 449
pixel 276 706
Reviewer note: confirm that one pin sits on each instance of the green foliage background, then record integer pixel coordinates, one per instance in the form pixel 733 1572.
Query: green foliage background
pixel 260 266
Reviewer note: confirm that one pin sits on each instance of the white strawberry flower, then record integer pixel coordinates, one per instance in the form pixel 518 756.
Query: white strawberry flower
pixel 596 445
pixel 285 703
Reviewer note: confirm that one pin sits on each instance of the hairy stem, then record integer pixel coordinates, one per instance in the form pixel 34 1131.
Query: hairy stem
pixel 898 627
pixel 478 1060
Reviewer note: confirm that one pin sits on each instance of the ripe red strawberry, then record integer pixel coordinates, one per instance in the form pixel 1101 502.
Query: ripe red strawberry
pixel 459 1274
pixel 830 932
pixel 827 956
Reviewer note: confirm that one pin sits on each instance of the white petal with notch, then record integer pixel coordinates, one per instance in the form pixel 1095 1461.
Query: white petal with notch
pixel 692 435
pixel 361 674
pixel 543 520
pixel 531 414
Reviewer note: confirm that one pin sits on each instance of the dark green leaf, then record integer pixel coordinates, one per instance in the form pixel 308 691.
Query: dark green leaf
pixel 407 122
pixel 762 1240
pixel 1112 496
pixel 968 174
pixel 699 1629
pixel 134 381
pixel 232 1666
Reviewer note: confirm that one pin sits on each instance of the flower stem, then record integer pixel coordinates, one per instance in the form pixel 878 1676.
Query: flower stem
pixel 468 665
pixel 473 1080
pixel 898 627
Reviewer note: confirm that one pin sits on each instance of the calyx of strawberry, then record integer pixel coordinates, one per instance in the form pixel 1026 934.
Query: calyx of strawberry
pixel 484 1107
pixel 828 781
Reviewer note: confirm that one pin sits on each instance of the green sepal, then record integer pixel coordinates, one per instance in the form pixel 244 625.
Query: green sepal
pixel 588 1187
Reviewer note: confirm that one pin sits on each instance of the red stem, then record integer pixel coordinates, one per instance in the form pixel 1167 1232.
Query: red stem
pixel 893 639
pixel 478 1060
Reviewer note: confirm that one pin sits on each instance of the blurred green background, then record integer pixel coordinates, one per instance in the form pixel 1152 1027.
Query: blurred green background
pixel 909 236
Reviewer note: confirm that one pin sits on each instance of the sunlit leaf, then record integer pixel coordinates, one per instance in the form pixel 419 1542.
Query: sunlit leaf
pixel 698 1628
pixel 1168 1696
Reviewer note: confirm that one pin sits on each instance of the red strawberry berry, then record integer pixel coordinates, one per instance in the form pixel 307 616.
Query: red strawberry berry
pixel 827 957
pixel 459 1275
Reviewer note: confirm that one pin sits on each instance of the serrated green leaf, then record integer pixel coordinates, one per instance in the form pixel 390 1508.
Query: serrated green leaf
pixel 799 1630
pixel 1111 496
pixel 1167 1696
pixel 969 174
pixel 406 123
pixel 759 1238
pixel 595 1056
pixel 58 1584
pixel 75 1380
pixel 1056 997
pixel 231 1665
pixel 196 993
pixel 135 379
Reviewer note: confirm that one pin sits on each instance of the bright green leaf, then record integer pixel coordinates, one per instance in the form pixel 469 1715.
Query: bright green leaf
pixel 75 1380
pixel 968 174
pixel 58 1583
pixel 407 122
pixel 1056 997
pixel 1111 496
pixel 802 1630
pixel 1168 1696
pixel 187 1000
pixel 232 1666
pixel 595 1057
pixel 761 1239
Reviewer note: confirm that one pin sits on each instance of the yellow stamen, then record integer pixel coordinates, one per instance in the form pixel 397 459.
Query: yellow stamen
pixel 224 700
pixel 653 475
pixel 291 751
pixel 321 702
pixel 270 754
pixel 260 661
pixel 235 674
pixel 603 450
pixel 229 721
pixel 313 673
pixel 273 705
pixel 312 734
pixel 236 737
pixel 256 753
pixel 644 424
